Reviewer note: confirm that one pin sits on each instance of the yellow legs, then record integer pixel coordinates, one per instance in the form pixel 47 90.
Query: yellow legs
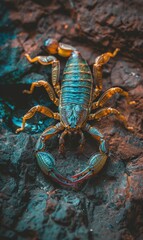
pixel 52 46
pixel 108 94
pixel 44 110
pixel 107 111
pixel 48 89
pixel 46 60
pixel 97 70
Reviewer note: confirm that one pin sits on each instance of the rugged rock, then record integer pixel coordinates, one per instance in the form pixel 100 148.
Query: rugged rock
pixel 109 206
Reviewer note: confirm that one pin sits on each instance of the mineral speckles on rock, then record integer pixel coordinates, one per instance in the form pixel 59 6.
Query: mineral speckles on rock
pixel 126 74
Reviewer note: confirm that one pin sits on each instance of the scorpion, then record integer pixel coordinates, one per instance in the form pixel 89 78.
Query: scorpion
pixel 76 97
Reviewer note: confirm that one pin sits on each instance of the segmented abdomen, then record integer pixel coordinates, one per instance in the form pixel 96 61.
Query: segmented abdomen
pixel 77 82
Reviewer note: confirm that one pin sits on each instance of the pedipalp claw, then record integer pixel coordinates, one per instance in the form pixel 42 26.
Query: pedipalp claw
pixel 82 173
pixel 87 175
pixel 96 163
pixel 64 183
pixel 47 164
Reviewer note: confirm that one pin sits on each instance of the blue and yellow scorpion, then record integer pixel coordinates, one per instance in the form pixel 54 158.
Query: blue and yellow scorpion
pixel 76 97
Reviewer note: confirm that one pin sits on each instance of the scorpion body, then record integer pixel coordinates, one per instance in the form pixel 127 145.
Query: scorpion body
pixel 76 98
pixel 76 92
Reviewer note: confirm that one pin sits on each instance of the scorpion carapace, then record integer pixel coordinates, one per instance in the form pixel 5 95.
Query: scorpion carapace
pixel 76 97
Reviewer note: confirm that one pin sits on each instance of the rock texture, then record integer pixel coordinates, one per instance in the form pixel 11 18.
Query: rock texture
pixel 110 205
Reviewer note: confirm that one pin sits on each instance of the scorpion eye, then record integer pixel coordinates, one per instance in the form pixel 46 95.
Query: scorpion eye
pixel 51 45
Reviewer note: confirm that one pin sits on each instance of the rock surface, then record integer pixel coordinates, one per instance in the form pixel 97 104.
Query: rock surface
pixel 110 205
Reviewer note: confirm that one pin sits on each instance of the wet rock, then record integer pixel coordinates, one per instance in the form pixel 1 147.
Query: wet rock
pixel 32 77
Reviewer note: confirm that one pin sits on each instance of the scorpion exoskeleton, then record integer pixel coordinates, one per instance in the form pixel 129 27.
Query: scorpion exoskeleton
pixel 76 97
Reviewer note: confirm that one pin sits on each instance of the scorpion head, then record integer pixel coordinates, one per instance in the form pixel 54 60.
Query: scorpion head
pixel 73 117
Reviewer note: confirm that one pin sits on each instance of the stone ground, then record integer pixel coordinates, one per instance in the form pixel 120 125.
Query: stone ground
pixel 110 205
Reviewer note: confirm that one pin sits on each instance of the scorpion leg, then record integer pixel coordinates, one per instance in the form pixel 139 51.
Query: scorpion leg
pixel 47 87
pixel 52 46
pixel 82 142
pixel 108 94
pixel 97 70
pixel 46 60
pixel 106 111
pixel 44 110
pixel 97 161
pixel 46 161
pixel 62 142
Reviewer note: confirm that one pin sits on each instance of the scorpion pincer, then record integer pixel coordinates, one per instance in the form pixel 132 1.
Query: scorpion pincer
pixel 76 97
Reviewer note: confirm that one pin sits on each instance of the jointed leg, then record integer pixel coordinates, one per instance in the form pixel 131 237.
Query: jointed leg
pixel 47 134
pixel 97 70
pixel 82 142
pixel 97 136
pixel 56 76
pixel 46 60
pixel 62 142
pixel 108 94
pixel 52 46
pixel 47 87
pixel 105 112
pixel 44 110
